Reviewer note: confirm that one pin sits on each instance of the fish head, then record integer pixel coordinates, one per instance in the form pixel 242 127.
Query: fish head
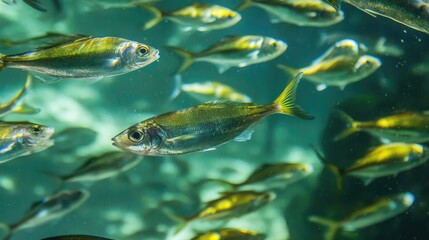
pixel 144 138
pixel 34 135
pixel 402 200
pixel 224 16
pixel 137 55
pixel 272 48
pixel 367 64
pixel 418 154
pixel 262 198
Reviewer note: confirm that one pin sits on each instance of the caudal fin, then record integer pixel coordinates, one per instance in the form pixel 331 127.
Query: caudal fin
pixel 336 170
pixel 187 55
pixel 244 5
pixel 158 15
pixel 182 222
pixel 351 126
pixel 332 226
pixel 2 63
pixel 289 70
pixel 285 103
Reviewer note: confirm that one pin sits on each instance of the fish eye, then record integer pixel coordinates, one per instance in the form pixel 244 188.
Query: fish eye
pixel 273 44
pixel 135 135
pixel 36 130
pixel 142 51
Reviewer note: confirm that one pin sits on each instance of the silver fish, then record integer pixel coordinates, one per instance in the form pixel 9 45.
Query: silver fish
pixel 19 139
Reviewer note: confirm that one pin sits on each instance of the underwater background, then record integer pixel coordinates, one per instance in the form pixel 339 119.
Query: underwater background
pixel 130 205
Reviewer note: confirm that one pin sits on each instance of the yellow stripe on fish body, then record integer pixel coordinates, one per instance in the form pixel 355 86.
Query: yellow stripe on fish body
pixel 204 126
pixel 83 58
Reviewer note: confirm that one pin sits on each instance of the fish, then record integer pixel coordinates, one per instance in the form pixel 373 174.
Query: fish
pixel 83 57
pixel 229 205
pixel 48 209
pixel 234 51
pixel 340 66
pixel 271 176
pixel 197 16
pixel 378 211
pixel 205 126
pixel 411 13
pixel 14 105
pixel 304 13
pixel 106 165
pixel 65 140
pixel 209 91
pixel 32 3
pixel 19 139
pixel 76 237
pixel 381 161
pixel 376 45
pixel 410 127
pixel 230 234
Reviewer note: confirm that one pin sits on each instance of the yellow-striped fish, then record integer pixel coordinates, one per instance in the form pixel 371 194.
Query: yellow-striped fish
pixel 205 126
pixel 371 214
pixel 229 234
pixel 197 16
pixel 82 57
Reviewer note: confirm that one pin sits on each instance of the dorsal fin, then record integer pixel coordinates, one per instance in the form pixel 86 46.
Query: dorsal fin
pixel 63 40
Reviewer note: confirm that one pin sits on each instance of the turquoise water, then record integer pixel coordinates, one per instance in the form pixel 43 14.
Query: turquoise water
pixel 132 204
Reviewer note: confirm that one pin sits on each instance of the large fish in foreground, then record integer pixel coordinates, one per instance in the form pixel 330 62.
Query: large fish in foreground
pixel 83 57
pixel 19 139
pixel 371 214
pixel 235 51
pixel 204 126
pixel 411 13
pixel 312 13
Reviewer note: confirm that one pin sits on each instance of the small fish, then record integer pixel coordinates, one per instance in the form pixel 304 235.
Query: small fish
pixel 32 3
pixel 230 234
pixel 410 127
pixel 104 166
pixel 48 209
pixel 197 16
pixel 83 57
pixel 411 13
pixel 311 13
pixel 230 205
pixel 341 65
pixel 205 126
pixel 236 51
pixel 385 160
pixel 76 237
pixel 65 140
pixel 378 45
pixel 14 106
pixel 271 176
pixel 209 91
pixel 371 214
pixel 19 139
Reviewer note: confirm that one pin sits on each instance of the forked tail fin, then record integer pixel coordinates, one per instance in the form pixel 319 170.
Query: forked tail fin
pixel 339 173
pixel 351 126
pixel 285 103
pixel 187 55
pixel 332 226
pixel 158 15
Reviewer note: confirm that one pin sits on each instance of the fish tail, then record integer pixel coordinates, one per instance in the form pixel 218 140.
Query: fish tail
pixel 289 70
pixel 285 103
pixel 331 225
pixel 19 95
pixel 187 55
pixel 335 4
pixel 339 173
pixel 158 15
pixel 351 126
pixel 223 182
pixel 177 87
pixel 7 231
pixel 245 4
pixel 182 222
pixel 2 61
